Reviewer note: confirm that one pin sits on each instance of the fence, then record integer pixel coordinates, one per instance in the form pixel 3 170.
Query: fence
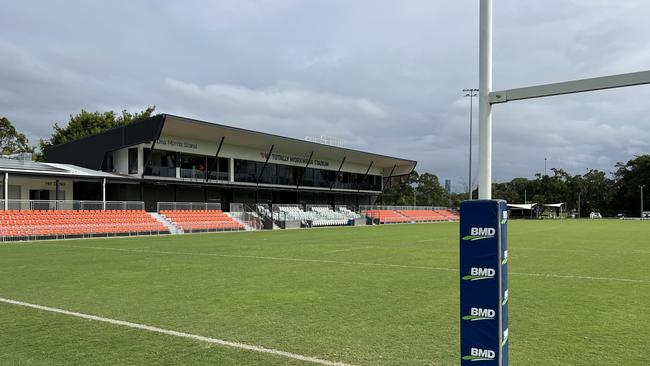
pixel 65 232
pixel 50 205
pixel 189 206
pixel 399 208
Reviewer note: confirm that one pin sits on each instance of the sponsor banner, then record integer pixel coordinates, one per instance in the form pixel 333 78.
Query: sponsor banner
pixel 284 158
pixel 483 285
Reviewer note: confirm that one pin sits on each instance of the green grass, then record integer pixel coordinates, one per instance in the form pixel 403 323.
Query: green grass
pixel 369 296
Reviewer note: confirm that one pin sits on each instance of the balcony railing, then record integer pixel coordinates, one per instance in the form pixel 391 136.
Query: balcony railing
pixel 160 171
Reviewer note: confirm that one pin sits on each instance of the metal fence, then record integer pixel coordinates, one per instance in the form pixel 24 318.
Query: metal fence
pixel 406 208
pixel 50 205
pixel 29 233
pixel 246 216
pixel 189 206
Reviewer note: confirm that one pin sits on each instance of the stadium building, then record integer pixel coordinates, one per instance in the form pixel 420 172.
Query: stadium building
pixel 169 158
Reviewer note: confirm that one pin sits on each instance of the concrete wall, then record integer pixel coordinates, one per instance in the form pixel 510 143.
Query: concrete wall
pixel 19 187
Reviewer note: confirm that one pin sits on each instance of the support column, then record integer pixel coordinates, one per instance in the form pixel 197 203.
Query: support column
pixel 57 184
pixel 104 194
pixel 485 108
pixel 6 192
pixel 231 170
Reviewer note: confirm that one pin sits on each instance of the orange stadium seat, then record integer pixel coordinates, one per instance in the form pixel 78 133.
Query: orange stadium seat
pixel 386 216
pixel 190 220
pixel 41 223
pixel 401 216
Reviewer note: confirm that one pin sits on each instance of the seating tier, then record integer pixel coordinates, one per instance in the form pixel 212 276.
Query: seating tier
pixel 190 220
pixel 44 223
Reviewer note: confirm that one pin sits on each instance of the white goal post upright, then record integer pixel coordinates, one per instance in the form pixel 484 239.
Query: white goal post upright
pixel 485 108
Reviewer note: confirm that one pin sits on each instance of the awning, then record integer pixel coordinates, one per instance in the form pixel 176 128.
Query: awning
pixel 522 206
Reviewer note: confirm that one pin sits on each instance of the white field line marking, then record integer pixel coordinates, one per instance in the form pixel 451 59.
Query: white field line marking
pixel 348 250
pixel 174 333
pixel 386 265
pixel 560 275
pixel 430 240
pixel 592 251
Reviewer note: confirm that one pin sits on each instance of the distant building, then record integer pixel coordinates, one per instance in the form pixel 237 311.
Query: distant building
pixel 448 186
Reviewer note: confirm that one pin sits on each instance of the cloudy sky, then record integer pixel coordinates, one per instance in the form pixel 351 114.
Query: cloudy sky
pixel 386 76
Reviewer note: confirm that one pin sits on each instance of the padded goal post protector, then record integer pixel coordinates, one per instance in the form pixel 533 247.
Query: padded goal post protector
pixel 484 283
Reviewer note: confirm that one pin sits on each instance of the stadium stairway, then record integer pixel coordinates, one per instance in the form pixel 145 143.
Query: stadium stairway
pixel 238 218
pixel 173 229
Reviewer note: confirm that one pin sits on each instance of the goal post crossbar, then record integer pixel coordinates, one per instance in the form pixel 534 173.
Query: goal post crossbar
pixel 571 87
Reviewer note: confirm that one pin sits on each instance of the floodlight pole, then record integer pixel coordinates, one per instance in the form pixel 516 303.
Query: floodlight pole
pixel 471 93
pixel 641 186
pixel 484 106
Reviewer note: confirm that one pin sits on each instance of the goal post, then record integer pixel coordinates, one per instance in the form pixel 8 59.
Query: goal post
pixel 482 251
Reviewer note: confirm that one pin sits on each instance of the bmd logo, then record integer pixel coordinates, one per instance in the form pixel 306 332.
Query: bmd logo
pixel 479 354
pixel 479 233
pixel 477 274
pixel 476 314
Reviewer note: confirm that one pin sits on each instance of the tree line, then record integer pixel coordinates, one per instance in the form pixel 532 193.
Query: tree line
pixel 596 190
pixel 79 125
pixel 608 193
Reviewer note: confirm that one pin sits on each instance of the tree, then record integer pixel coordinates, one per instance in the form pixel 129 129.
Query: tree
pixel 629 177
pixel 11 141
pixel 504 191
pixel 429 192
pixel 89 123
pixel 401 194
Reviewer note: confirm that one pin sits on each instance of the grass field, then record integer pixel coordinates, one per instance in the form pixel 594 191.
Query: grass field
pixel 579 295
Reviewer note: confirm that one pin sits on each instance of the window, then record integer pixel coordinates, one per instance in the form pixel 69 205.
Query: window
pixel 287 175
pixel 245 171
pixel 160 163
pixel 133 160
pixel 107 164
pixel 192 166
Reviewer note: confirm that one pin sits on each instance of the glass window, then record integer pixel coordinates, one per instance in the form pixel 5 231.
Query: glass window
pixel 323 178
pixel 192 166
pixel 249 171
pixel 160 163
pixel 269 175
pixel 218 169
pixel 133 160
pixel 107 164
pixel 245 171
pixel 308 177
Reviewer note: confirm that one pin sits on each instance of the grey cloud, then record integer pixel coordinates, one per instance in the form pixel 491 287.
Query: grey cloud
pixel 384 76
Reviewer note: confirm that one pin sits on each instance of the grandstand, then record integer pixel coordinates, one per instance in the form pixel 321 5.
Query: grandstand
pixel 170 158
pixel 196 221
pixel 294 216
pixel 170 174
pixel 72 219
pixel 405 214
pixel 54 224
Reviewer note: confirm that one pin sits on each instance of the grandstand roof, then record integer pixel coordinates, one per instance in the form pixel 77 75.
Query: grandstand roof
pixel 29 167
pixel 89 151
